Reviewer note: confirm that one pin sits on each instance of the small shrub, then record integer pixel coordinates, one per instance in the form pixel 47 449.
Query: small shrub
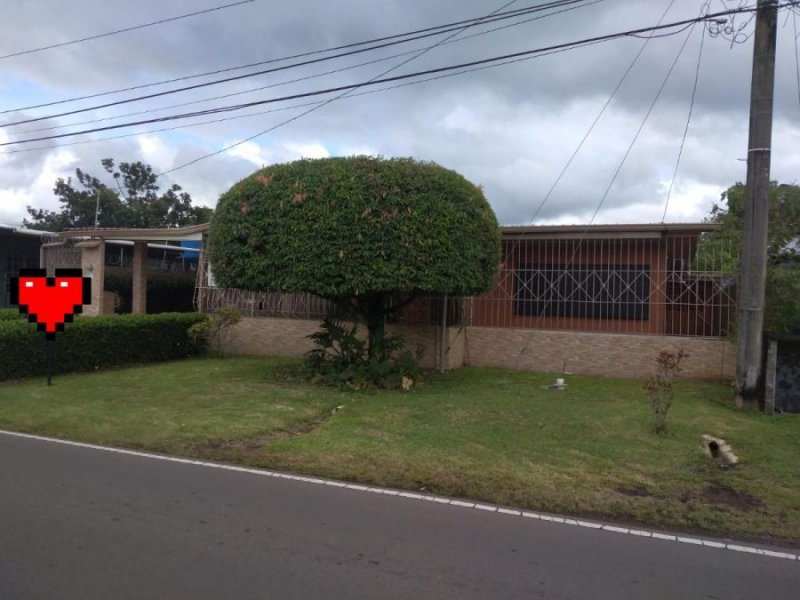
pixel 659 387
pixel 340 358
pixel 215 329
pixel 92 343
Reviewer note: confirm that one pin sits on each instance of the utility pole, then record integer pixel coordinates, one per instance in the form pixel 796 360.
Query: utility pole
pixel 749 359
pixel 97 209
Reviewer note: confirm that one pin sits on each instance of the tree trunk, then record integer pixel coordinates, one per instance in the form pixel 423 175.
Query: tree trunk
pixel 375 314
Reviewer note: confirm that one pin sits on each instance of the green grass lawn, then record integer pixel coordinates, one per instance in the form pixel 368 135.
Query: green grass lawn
pixel 486 434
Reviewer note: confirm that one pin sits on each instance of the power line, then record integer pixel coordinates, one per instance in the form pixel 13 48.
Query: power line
pixel 126 29
pixel 688 121
pixel 308 77
pixel 796 54
pixel 598 117
pixel 253 74
pixel 432 31
pixel 342 95
pixel 611 183
pixel 641 127
pixel 285 108
pixel 570 45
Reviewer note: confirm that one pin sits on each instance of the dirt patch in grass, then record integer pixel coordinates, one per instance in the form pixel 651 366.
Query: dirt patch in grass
pixel 719 493
pixel 250 450
pixel 241 450
pixel 634 492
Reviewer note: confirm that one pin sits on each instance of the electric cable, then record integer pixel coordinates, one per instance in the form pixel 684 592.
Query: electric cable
pixel 342 95
pixel 126 29
pixel 299 79
pixel 431 31
pixel 688 121
pixel 610 185
pixel 596 120
pixel 282 109
pixel 573 44
pixel 796 55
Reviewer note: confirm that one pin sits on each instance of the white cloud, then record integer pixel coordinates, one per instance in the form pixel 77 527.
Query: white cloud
pixel 39 192
pixel 251 152
pixel 156 152
pixel 293 151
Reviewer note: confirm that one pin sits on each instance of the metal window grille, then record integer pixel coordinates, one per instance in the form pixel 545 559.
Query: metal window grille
pixel 661 285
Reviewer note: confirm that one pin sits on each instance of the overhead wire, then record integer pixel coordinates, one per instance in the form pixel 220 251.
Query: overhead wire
pixel 125 29
pixel 597 118
pixel 639 130
pixel 614 177
pixel 573 44
pixel 796 55
pixel 285 108
pixel 688 122
pixel 307 77
pixel 312 109
pixel 411 36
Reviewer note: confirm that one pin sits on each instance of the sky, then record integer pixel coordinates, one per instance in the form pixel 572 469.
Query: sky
pixel 512 128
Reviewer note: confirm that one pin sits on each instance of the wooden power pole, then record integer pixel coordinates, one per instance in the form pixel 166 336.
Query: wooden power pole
pixel 749 355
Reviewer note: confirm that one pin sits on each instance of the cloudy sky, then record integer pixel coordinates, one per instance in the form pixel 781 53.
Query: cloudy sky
pixel 511 128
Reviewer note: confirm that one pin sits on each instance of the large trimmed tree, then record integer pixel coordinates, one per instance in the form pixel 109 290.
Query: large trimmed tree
pixel 363 232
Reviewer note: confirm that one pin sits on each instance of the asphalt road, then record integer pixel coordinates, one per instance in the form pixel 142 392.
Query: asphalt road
pixel 82 523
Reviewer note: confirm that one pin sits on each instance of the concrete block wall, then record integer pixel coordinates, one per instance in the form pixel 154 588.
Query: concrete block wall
pixel 612 355
pixel 254 336
pixel 270 337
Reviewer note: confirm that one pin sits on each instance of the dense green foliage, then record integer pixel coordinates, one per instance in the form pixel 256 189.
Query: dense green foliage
pixel 164 294
pixel 92 343
pixel 11 314
pixel 133 201
pixel 358 231
pixel 340 359
pixel 722 251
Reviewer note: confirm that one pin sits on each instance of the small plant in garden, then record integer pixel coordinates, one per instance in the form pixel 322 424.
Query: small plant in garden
pixel 659 386
pixel 340 358
pixel 215 328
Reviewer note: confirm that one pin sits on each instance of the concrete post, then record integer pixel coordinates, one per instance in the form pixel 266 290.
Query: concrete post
pixel 769 387
pixel 93 260
pixel 139 301
pixel 752 288
pixel 46 256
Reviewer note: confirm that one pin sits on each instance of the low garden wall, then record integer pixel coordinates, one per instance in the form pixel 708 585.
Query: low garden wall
pixel 262 336
pixel 613 355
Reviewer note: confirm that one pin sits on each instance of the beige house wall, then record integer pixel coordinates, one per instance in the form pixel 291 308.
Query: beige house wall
pixel 607 354
pixel 254 336
pixel 93 259
pixel 613 355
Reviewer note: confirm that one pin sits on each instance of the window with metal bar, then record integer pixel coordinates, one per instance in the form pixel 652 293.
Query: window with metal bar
pixel 583 291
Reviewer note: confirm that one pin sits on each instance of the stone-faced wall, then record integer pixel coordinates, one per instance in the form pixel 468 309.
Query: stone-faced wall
pixel 613 355
pixel 254 336
pixel 607 354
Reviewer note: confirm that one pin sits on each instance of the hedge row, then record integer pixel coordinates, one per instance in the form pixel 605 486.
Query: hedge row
pixel 10 314
pixel 92 343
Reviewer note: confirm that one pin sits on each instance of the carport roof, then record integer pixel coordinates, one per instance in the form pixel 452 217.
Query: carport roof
pixel 624 231
pixel 190 232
